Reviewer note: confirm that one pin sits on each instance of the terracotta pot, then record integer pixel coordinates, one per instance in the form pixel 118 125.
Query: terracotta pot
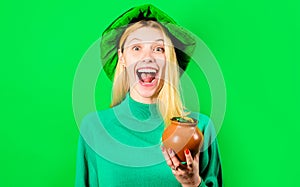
pixel 183 134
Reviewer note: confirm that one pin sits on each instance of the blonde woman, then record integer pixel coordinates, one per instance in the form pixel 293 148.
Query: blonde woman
pixel 121 146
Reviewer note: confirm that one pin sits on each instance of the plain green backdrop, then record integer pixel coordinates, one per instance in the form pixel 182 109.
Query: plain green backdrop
pixel 255 42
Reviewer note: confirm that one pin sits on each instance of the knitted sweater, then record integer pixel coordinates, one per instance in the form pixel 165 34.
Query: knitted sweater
pixel 120 146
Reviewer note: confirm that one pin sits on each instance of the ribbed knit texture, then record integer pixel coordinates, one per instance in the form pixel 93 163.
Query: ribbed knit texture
pixel 121 147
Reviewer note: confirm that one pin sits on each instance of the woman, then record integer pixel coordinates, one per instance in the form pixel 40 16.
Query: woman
pixel 119 146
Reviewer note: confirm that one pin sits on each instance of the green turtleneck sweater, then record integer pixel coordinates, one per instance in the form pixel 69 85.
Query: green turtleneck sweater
pixel 120 146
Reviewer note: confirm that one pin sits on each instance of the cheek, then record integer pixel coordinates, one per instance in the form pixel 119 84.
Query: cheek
pixel 162 63
pixel 130 70
pixel 130 59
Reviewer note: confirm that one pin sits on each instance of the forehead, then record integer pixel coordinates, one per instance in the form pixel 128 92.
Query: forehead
pixel 145 34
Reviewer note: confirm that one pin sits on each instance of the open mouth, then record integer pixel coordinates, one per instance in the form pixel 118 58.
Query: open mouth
pixel 147 75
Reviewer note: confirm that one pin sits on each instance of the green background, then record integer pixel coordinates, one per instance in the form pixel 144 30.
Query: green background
pixel 256 44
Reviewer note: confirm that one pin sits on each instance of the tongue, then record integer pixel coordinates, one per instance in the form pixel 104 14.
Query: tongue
pixel 147 77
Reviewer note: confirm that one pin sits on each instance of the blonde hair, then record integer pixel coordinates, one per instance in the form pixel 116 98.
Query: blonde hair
pixel 169 100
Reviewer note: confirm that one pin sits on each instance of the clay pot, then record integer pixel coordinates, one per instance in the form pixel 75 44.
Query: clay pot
pixel 183 134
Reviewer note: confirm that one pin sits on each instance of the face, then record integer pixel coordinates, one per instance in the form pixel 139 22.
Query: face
pixel 144 60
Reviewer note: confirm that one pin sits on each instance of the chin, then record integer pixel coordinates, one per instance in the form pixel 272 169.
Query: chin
pixel 149 95
pixel 145 95
pixel 146 92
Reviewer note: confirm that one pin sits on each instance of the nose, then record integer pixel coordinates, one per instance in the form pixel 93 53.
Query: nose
pixel 148 60
pixel 148 55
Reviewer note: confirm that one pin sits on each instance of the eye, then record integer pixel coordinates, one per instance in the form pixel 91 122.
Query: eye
pixel 136 48
pixel 159 49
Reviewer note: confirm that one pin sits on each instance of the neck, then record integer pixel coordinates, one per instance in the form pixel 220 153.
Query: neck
pixel 146 100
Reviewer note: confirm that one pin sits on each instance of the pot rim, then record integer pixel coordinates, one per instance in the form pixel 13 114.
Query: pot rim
pixel 187 123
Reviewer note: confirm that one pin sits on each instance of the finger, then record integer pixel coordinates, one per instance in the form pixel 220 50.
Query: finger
pixel 174 172
pixel 196 158
pixel 189 159
pixel 174 159
pixel 167 157
pixel 181 172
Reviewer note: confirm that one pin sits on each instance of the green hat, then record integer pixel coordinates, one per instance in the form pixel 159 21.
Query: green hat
pixel 183 41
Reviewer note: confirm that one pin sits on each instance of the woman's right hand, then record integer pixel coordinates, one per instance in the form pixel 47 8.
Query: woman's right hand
pixel 187 175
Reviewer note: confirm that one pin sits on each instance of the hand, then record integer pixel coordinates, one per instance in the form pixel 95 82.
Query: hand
pixel 186 174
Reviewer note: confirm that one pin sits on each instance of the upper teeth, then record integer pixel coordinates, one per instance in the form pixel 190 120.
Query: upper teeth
pixel 147 71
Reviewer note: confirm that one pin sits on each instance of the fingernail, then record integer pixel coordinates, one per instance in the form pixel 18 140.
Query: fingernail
pixel 187 151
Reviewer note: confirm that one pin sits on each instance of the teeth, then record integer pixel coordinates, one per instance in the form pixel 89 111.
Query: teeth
pixel 147 71
pixel 146 75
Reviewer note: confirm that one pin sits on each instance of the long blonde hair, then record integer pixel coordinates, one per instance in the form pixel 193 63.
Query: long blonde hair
pixel 168 100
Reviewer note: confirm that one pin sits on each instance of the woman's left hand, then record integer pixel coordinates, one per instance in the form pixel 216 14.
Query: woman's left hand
pixel 187 174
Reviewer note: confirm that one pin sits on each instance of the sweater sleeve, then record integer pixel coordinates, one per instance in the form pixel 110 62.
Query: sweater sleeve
pixel 81 165
pixel 86 174
pixel 210 164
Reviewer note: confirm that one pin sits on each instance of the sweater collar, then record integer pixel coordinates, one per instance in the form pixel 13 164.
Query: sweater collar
pixel 140 110
pixel 138 117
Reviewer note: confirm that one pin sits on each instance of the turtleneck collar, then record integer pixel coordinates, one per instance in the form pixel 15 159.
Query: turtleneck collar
pixel 140 110
pixel 138 117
